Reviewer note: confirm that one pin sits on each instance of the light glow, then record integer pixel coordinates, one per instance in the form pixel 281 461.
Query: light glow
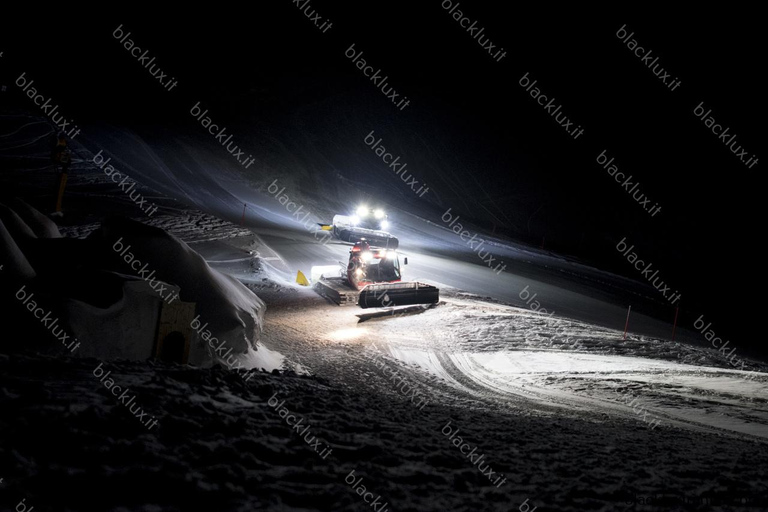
pixel 362 211
pixel 348 334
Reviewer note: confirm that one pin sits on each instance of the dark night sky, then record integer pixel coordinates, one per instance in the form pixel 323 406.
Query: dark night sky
pixel 270 60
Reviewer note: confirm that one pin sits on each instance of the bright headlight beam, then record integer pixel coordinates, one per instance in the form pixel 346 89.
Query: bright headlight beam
pixel 379 214
pixel 362 211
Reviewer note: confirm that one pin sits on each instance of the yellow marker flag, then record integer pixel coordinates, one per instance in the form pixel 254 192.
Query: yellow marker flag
pixel 62 186
pixel 302 279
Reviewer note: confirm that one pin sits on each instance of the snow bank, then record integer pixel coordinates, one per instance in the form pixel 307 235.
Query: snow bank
pixel 114 284
pixel 16 226
pixel 41 226
pixel 125 329
pixel 13 260
pixel 226 309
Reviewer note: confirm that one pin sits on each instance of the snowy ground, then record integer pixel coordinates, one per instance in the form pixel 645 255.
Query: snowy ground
pixel 573 416
pixel 500 354
pixel 220 445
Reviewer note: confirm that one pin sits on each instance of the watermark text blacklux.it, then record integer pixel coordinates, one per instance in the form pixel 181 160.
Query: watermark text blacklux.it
pixel 645 271
pixel 472 455
pixel 296 424
pixel 527 506
pixel 722 134
pixel 46 318
pixel 218 352
pixel 143 272
pixel 630 400
pixel 394 164
pixel 362 491
pixel 379 80
pixel 48 108
pixel 124 398
pixel 473 30
pixel 645 57
pixel 21 505
pixel 313 16
pixel 631 187
pixel 709 334
pixel 126 185
pixel 400 382
pixel 550 107
pixel 221 137
pixel 143 58
pixel 296 212
pixel 457 228
pixel 532 303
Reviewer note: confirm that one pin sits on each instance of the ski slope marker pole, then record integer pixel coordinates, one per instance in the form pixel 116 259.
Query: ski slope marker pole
pixel 242 221
pixel 674 326
pixel 626 325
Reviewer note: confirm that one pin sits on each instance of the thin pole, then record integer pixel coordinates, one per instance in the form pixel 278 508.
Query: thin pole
pixel 674 326
pixel 626 325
